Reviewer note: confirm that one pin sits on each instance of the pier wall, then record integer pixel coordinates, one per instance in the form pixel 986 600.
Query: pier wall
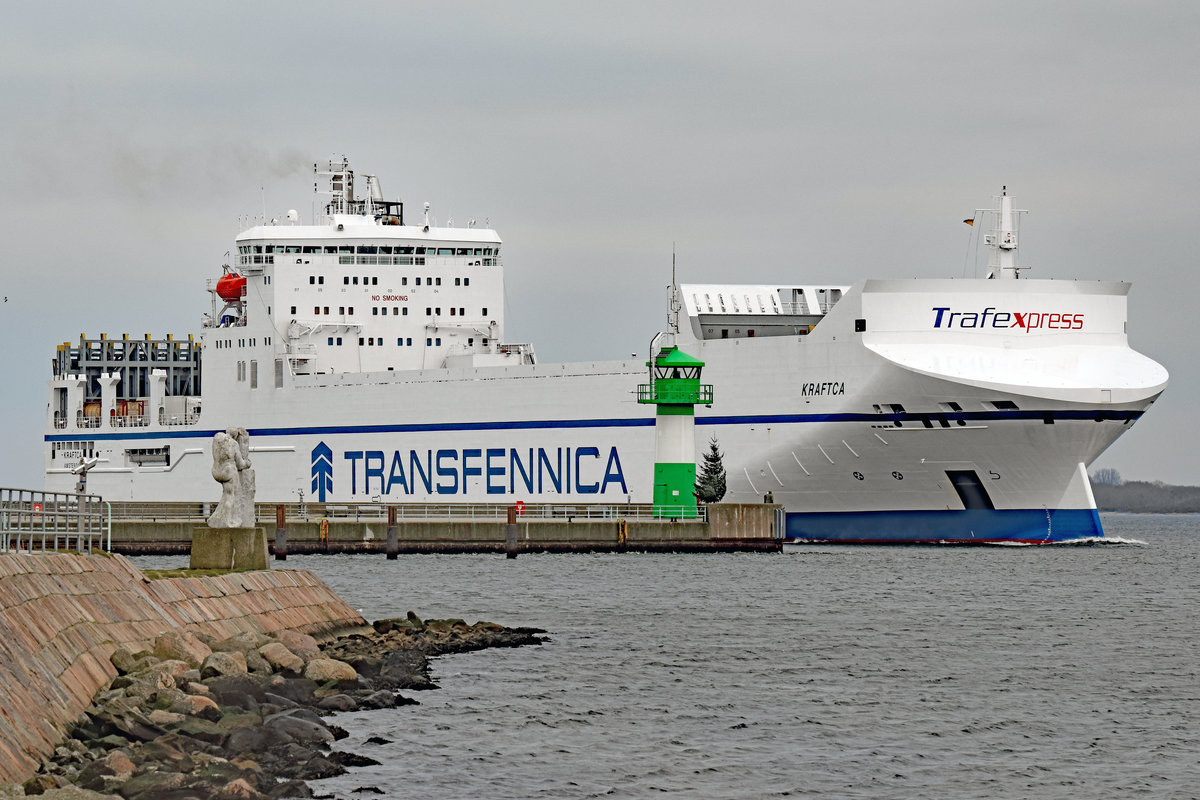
pixel 730 526
pixel 62 616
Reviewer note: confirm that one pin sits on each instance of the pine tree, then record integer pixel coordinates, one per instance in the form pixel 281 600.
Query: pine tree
pixel 710 486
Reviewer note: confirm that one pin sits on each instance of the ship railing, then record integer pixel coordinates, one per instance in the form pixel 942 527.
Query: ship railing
pixel 169 420
pixel 265 513
pixel 36 521
pixel 84 421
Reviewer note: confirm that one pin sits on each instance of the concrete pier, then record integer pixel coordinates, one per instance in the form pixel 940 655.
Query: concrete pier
pixel 730 527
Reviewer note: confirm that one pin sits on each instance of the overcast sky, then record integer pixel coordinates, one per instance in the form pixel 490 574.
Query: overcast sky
pixel 791 142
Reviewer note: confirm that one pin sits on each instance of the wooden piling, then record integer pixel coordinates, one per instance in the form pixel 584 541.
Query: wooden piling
pixel 280 533
pixel 393 534
pixel 510 534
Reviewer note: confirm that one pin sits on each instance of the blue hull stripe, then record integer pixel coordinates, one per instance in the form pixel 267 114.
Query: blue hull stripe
pixel 558 424
pixel 978 526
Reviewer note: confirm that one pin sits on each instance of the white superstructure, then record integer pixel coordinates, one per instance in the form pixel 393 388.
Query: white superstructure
pixel 367 358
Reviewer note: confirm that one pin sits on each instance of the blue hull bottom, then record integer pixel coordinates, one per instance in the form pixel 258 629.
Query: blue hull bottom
pixel 972 526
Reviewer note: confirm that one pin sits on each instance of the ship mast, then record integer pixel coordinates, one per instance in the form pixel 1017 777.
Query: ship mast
pixel 1002 263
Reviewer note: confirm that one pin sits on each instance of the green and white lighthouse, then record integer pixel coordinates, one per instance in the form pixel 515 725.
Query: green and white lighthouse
pixel 675 389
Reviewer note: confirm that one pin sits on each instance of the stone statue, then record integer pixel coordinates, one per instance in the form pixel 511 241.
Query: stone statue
pixel 232 469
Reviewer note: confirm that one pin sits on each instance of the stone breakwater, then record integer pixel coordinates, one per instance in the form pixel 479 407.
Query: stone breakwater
pixel 62 616
pixel 245 717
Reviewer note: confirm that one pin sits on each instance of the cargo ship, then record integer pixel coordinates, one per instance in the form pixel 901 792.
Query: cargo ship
pixel 365 353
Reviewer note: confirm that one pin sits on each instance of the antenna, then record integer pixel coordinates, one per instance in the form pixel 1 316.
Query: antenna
pixel 673 295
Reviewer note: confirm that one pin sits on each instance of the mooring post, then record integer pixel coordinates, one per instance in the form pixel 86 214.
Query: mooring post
pixel 510 533
pixel 280 533
pixel 393 534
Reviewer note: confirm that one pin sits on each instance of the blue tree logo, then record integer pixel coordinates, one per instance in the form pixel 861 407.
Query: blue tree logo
pixel 322 471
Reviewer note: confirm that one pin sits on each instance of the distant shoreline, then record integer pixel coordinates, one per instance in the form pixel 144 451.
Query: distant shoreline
pixel 1146 497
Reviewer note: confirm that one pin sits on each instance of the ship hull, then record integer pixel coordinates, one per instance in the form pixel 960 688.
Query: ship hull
pixel 860 435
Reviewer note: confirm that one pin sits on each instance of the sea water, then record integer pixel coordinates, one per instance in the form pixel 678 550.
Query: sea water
pixel 830 671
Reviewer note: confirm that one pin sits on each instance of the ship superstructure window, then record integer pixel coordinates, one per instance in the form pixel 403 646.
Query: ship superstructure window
pixel 293 309
pixel 437 281
pixel 484 312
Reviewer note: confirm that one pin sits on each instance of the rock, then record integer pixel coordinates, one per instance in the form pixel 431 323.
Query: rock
pixel 127 660
pixel 167 697
pixel 251 739
pixel 298 690
pixel 301 644
pixel 151 785
pixel 378 740
pixel 290 789
pixel 257 664
pixel 279 701
pixel 40 783
pixel 140 689
pixel 160 717
pixel 239 789
pixel 338 702
pixel 111 742
pixel 405 669
pixel 236 690
pixel 195 687
pixel 380 699
pixel 223 663
pixel 323 670
pixel 239 719
pixel 182 646
pixel 176 669
pixel 352 760
pixel 281 658
pixel 202 729
pixel 301 731
pixel 197 705
pixel 243 642
pixel 114 767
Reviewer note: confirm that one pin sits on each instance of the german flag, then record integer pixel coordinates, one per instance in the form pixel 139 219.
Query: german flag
pixel 970 222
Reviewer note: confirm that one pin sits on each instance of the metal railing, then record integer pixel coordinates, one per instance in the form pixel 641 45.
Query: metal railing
pixel 48 521
pixel 671 392
pixel 367 512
